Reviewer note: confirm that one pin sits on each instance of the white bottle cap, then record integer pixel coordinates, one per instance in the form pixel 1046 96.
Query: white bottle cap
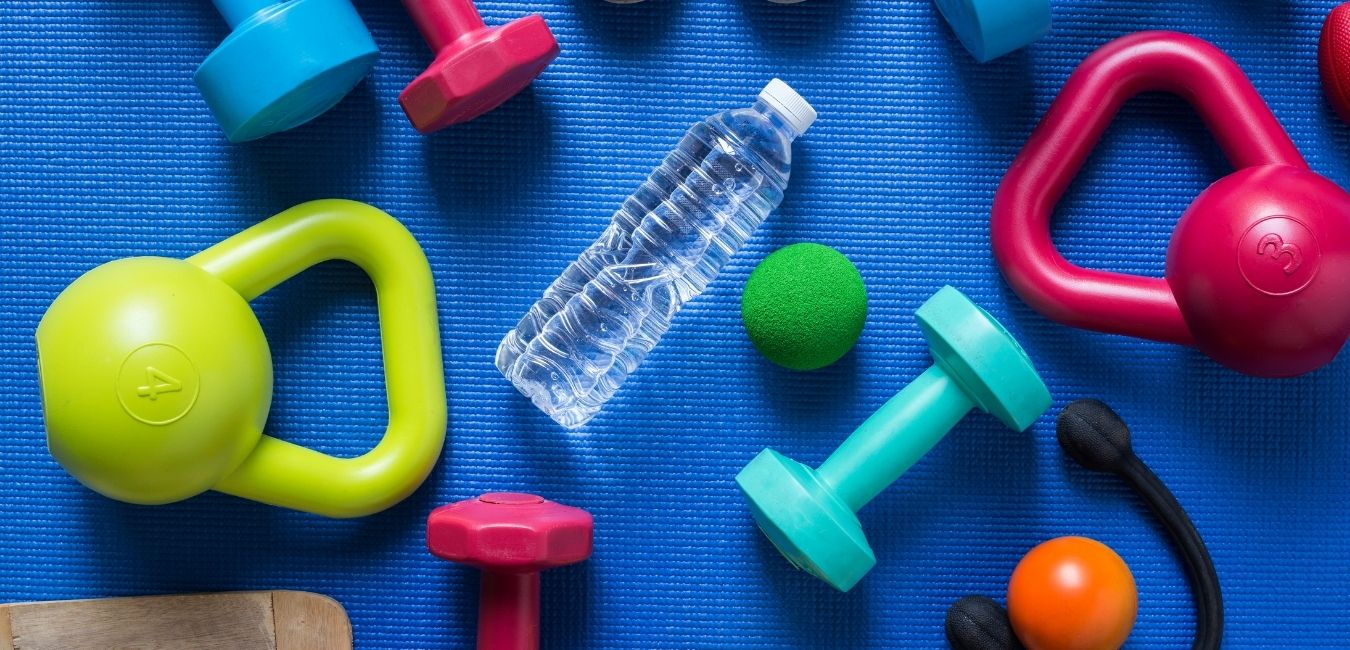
pixel 787 103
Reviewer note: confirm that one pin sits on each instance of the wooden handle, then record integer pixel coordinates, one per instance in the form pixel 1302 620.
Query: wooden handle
pixel 274 620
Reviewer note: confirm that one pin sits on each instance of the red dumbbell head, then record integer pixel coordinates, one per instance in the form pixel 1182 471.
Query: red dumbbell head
pixel 506 531
pixel 1333 55
pixel 479 72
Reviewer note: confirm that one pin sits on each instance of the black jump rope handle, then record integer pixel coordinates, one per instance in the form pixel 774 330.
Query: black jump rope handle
pixel 1092 434
pixel 979 623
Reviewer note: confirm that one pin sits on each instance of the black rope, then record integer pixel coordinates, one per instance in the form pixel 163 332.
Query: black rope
pixel 1092 434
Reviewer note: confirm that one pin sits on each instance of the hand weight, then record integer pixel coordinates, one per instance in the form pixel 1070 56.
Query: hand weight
pixel 476 67
pixel 1256 267
pixel 991 28
pixel 284 63
pixel 808 514
pixel 512 537
pixel 157 380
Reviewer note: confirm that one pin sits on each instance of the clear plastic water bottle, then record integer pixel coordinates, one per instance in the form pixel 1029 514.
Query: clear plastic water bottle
pixel 597 322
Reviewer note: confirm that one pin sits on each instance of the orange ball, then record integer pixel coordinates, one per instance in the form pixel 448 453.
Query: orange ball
pixel 1072 593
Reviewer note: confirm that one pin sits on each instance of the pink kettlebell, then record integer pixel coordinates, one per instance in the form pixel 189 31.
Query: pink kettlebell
pixel 1258 267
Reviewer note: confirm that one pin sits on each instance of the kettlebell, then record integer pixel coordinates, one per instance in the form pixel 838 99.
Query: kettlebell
pixel 157 379
pixel 1257 265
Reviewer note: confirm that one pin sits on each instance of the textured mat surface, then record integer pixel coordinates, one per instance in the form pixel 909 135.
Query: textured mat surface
pixel 106 150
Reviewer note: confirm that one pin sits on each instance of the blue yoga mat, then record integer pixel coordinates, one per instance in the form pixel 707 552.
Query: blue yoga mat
pixel 107 151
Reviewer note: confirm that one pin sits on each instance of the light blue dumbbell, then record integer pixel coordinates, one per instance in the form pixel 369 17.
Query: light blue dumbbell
pixel 284 63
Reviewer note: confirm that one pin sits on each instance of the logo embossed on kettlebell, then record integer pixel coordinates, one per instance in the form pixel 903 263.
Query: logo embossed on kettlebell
pixel 1273 244
pixel 157 381
pixel 157 384
pixel 1278 256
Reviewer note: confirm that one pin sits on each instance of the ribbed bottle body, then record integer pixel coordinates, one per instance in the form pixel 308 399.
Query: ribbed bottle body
pixel 596 323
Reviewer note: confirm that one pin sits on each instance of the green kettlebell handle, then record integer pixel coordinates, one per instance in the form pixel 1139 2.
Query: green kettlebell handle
pixel 259 258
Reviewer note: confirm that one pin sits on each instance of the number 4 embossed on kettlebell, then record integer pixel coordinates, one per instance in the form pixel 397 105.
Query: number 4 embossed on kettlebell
pixel 1274 245
pixel 157 381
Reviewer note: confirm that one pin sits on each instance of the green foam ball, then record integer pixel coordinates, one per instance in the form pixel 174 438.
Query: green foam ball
pixel 804 306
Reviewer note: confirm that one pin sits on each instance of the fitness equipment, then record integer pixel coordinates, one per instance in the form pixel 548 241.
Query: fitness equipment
pixel 1070 593
pixel 809 514
pixel 979 623
pixel 1333 59
pixel 1094 436
pixel 284 63
pixel 476 67
pixel 156 377
pixel 280 620
pixel 511 537
pixel 991 28
pixel 804 306
pixel 629 2
pixel 1257 265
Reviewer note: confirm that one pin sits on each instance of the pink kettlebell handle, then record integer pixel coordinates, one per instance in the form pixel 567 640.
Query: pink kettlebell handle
pixel 1147 61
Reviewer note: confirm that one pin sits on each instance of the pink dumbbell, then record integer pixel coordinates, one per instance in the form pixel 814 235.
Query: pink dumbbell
pixel 476 67
pixel 511 537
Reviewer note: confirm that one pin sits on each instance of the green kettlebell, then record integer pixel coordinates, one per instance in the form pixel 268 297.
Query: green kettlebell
pixel 157 379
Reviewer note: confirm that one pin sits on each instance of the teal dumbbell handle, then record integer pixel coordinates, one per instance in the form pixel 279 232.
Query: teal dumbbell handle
pixel 895 437
pixel 237 11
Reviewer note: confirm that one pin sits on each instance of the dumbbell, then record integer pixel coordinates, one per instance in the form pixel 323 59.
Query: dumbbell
pixel 629 2
pixel 991 28
pixel 476 67
pixel 511 537
pixel 809 514
pixel 283 64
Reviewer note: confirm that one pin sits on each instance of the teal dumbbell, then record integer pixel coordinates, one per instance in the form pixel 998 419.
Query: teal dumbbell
pixel 809 514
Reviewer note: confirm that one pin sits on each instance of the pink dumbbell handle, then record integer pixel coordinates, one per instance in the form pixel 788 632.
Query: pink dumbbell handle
pixel 442 22
pixel 508 611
